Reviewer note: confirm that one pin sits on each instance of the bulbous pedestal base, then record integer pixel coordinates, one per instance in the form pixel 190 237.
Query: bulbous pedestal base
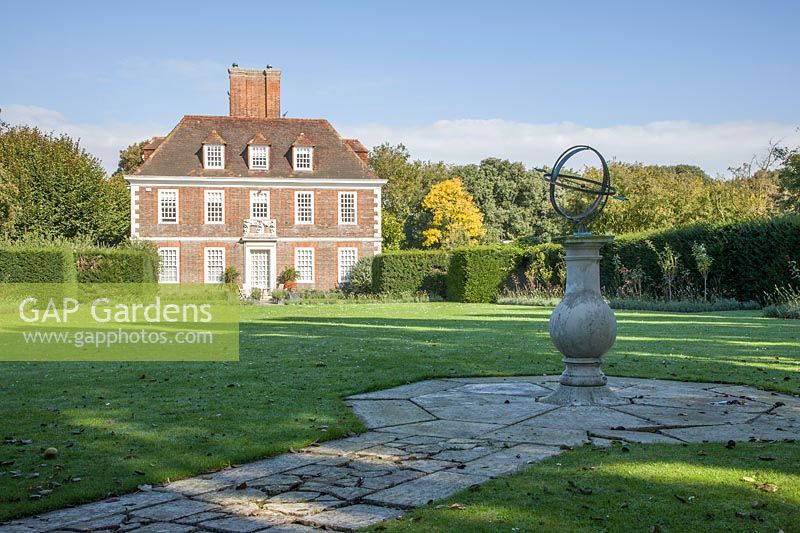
pixel 583 327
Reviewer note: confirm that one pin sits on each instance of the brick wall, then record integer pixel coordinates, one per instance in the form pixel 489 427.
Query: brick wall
pixel 191 213
pixel 326 235
pixel 255 93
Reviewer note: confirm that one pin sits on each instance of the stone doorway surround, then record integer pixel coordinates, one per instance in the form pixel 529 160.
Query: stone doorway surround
pixel 428 440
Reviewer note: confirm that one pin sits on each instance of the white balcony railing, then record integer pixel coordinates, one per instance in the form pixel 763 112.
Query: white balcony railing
pixel 259 228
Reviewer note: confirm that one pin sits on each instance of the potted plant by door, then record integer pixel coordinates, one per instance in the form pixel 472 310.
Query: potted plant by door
pixel 288 278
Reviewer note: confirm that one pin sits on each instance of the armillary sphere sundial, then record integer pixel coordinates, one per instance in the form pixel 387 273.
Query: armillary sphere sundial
pixel 582 325
pixel 602 190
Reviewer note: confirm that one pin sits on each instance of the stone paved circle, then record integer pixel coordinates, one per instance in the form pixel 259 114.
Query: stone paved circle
pixel 428 440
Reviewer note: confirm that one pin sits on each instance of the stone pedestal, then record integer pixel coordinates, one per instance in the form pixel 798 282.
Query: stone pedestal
pixel 583 326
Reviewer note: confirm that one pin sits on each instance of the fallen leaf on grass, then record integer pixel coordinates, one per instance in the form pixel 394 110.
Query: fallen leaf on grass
pixel 749 479
pixel 767 487
pixel 458 506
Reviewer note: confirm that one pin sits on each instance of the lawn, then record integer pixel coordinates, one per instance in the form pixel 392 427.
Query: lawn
pixel 120 425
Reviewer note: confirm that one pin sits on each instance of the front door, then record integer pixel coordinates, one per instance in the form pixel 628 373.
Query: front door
pixel 258 270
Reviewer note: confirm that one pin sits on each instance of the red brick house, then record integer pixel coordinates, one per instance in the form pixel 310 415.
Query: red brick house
pixel 257 192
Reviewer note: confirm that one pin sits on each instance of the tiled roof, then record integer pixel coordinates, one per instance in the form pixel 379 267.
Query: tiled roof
pixel 154 143
pixel 214 138
pixel 302 140
pixel 180 154
pixel 258 139
pixel 356 145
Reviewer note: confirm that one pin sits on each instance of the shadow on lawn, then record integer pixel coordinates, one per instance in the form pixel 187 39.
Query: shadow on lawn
pixel 711 348
pixel 692 488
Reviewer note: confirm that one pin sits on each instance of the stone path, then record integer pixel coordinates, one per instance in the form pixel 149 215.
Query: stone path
pixel 428 440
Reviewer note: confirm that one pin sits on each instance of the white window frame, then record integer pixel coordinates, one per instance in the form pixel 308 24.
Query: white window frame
pixel 177 263
pixel 297 266
pixel 297 220
pixel 343 279
pixel 205 264
pixel 305 149
pixel 355 208
pixel 253 197
pixel 206 162
pixel 206 194
pixel 251 152
pixel 161 194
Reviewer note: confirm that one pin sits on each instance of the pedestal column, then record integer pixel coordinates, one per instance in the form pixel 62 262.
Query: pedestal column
pixel 583 326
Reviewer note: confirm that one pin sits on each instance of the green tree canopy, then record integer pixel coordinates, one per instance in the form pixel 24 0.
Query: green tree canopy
pixel 407 181
pixel 8 203
pixel 131 158
pixel 660 196
pixel 513 199
pixel 789 180
pixel 62 191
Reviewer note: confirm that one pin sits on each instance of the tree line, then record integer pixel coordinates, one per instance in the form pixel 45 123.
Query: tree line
pixel 432 204
pixel 53 188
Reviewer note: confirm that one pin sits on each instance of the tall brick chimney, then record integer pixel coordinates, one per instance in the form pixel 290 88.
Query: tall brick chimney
pixel 255 92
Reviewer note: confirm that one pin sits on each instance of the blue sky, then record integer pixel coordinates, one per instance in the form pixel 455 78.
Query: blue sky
pixel 708 83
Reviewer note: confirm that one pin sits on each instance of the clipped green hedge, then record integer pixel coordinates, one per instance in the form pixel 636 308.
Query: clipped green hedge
pixel 749 257
pixel 410 271
pixel 545 262
pixel 126 265
pixel 34 264
pixel 476 273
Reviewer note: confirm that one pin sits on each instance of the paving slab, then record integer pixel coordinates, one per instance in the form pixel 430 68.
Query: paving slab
pixel 243 524
pixel 291 528
pixel 420 491
pixel 379 413
pixel 586 417
pixel 163 527
pixel 639 437
pixel 511 388
pixel 692 402
pixel 444 428
pixel 508 460
pixel 525 433
pixel 353 517
pixel 481 407
pixel 405 392
pixel 680 416
pixel 735 432
pixel 174 510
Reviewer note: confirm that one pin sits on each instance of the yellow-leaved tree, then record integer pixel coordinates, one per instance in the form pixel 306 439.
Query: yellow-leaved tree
pixel 454 219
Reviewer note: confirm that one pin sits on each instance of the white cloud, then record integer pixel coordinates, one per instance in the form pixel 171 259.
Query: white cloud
pixel 713 147
pixel 104 141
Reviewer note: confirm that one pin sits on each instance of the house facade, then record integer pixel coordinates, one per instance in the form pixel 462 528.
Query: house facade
pixel 257 192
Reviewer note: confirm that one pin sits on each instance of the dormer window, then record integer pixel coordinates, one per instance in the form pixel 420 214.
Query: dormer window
pixel 258 153
pixel 214 156
pixel 214 151
pixel 258 157
pixel 303 157
pixel 302 154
